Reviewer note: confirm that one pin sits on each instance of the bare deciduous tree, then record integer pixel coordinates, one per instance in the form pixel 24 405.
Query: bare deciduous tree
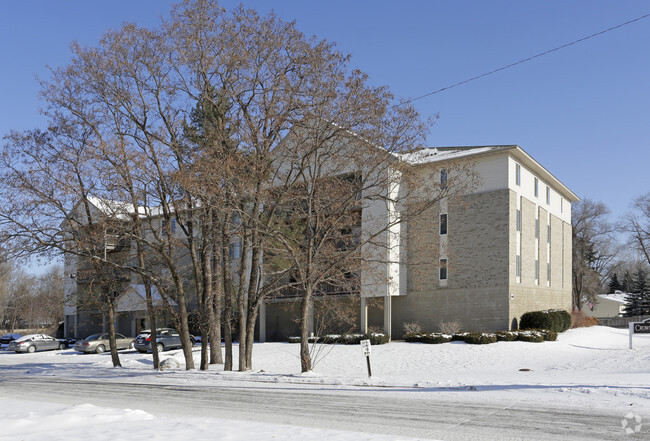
pixel 593 250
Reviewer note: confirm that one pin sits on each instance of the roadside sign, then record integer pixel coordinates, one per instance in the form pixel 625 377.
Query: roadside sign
pixel 639 328
pixel 365 347
pixel 365 350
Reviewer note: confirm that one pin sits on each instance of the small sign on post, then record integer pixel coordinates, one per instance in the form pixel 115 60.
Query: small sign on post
pixel 639 328
pixel 365 350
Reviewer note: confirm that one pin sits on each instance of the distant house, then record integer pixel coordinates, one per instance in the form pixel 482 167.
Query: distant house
pixel 505 249
pixel 609 305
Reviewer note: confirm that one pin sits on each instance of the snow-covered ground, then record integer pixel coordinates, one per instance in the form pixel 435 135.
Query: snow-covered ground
pixel 588 368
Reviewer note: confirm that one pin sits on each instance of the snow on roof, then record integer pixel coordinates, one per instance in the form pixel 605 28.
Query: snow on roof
pixel 436 154
pixel 618 297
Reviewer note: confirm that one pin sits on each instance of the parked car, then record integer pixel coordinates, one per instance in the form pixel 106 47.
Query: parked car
pixel 100 342
pixel 166 338
pixel 36 342
pixel 6 339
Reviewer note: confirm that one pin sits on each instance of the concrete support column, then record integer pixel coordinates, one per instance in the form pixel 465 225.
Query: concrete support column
pixel 364 316
pixel 262 316
pixel 388 316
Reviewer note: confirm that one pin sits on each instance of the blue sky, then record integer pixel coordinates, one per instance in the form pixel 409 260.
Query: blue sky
pixel 583 112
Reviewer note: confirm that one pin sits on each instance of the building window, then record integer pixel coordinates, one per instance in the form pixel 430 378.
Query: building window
pixel 443 224
pixel 443 269
pixel 548 273
pixel 536 228
pixel 518 174
pixel 561 205
pixel 518 220
pixel 548 233
pixel 235 250
pixel 548 195
pixel 537 271
pixel 172 226
pixel 518 267
pixel 536 187
pixel 443 178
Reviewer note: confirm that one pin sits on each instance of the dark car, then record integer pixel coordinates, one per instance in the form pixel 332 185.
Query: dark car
pixel 166 338
pixel 36 342
pixel 8 338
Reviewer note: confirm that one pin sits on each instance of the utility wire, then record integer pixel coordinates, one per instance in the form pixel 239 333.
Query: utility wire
pixel 523 60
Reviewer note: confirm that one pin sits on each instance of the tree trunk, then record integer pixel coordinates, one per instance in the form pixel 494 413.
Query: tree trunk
pixel 305 356
pixel 111 328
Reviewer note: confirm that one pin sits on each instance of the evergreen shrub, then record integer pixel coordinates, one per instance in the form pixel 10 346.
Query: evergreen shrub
pixel 480 338
pixel 555 320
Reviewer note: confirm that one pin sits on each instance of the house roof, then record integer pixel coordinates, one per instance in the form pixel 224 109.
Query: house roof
pixel 432 155
pixel 619 297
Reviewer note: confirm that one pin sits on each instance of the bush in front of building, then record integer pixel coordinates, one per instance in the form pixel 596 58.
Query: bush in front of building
pixel 346 339
pixel 581 320
pixel 479 338
pixel 556 320
pixel 507 335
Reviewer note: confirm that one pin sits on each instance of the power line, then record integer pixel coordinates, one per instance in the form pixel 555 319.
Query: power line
pixel 524 60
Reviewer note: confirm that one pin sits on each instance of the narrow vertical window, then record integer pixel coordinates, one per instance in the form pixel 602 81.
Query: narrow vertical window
pixel 536 271
pixel 518 220
pixel 561 205
pixel 536 187
pixel 235 250
pixel 548 273
pixel 536 228
pixel 548 195
pixel 443 269
pixel 443 178
pixel 518 174
pixel 443 224
pixel 548 233
pixel 518 267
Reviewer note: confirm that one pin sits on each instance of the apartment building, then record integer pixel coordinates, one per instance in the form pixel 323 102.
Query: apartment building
pixel 481 259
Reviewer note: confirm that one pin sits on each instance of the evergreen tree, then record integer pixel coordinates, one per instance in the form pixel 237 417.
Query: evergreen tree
pixel 640 288
pixel 615 284
pixel 627 282
pixel 633 305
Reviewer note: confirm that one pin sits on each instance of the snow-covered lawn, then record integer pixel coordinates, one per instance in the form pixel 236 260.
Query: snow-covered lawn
pixel 586 368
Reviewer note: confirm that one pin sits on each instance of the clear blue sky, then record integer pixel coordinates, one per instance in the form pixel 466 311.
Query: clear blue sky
pixel 582 112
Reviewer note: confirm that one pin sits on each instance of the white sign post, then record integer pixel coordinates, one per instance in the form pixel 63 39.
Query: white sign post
pixel 365 350
pixel 639 328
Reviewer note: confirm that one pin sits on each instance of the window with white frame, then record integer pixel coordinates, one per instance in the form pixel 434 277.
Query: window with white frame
pixel 443 224
pixel 518 220
pixel 536 187
pixel 518 266
pixel 548 195
pixel 443 178
pixel 518 174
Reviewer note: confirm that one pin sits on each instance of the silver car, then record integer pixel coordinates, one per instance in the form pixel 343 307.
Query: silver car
pixel 99 343
pixel 166 338
pixel 36 342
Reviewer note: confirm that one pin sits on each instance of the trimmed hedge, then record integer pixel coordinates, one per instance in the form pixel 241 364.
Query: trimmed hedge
pixel 555 320
pixel 346 339
pixel 436 338
pixel 507 335
pixel 479 338
pixel 428 338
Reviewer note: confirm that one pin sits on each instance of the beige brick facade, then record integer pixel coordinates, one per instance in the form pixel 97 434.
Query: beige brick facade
pixel 483 292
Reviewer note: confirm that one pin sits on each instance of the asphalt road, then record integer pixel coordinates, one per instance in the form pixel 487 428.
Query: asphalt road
pixel 366 411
